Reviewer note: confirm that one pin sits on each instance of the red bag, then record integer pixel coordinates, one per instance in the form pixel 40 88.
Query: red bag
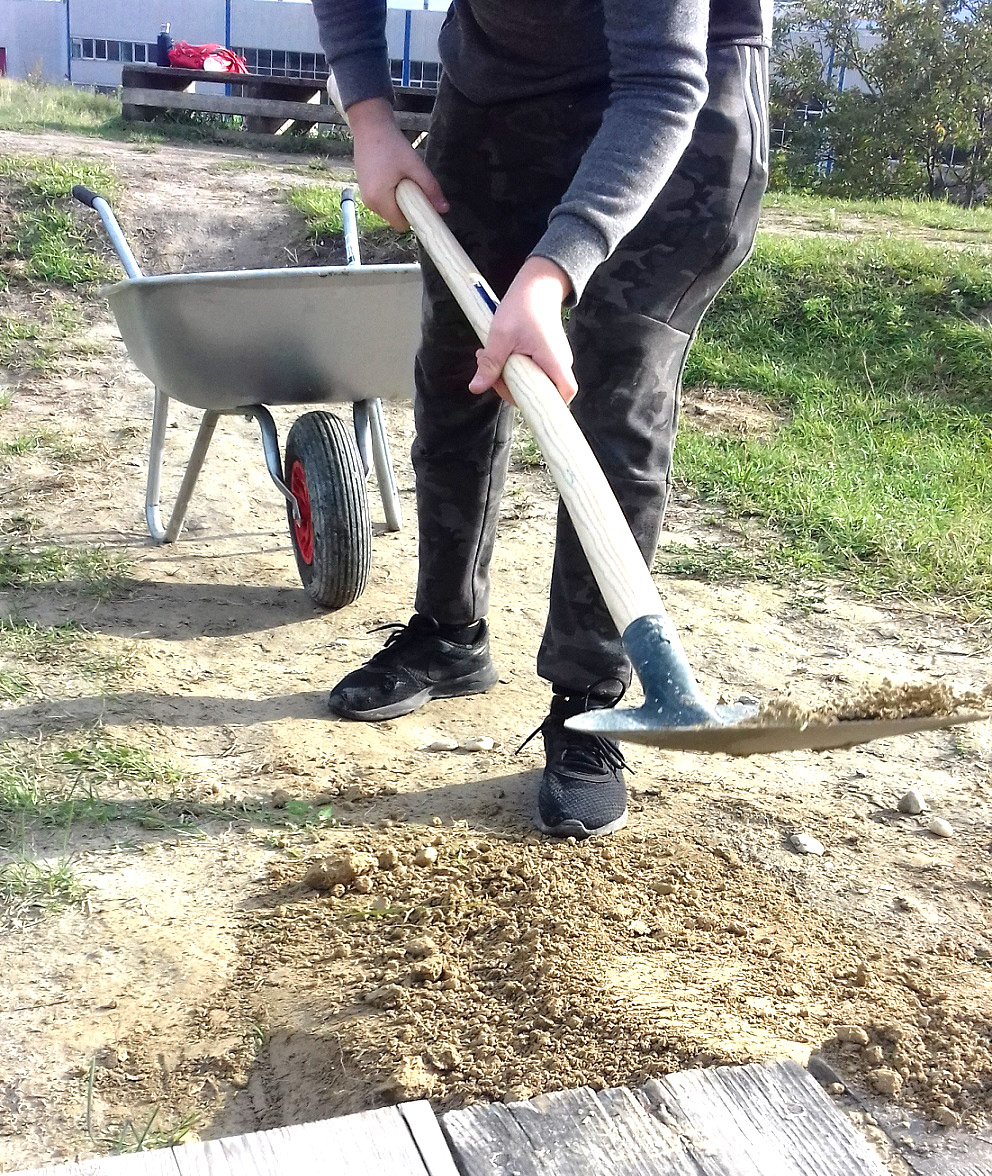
pixel 213 58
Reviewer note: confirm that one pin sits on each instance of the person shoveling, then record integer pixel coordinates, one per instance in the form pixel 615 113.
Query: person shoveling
pixel 610 157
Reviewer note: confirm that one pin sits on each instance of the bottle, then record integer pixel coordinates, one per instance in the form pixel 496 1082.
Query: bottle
pixel 163 45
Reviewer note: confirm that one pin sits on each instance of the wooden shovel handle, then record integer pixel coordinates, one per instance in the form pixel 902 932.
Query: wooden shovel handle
pixel 604 533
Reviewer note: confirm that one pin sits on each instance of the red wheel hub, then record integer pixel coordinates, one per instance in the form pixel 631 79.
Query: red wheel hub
pixel 302 530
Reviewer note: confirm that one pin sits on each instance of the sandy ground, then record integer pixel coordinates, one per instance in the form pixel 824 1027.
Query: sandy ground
pixel 455 955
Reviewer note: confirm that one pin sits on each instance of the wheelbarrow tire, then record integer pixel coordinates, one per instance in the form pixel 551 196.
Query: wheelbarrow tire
pixel 333 540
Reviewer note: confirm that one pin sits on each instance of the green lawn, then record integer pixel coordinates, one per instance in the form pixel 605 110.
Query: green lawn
pixel 880 358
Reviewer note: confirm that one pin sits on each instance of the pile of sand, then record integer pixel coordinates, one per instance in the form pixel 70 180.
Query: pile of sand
pixel 462 969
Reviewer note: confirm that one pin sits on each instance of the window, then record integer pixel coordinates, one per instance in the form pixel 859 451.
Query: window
pixel 423 74
pixel 93 49
pixel 281 63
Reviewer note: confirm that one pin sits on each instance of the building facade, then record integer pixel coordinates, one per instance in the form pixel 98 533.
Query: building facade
pixel 85 42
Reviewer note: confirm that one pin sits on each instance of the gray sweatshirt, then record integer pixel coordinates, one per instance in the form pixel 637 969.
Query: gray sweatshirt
pixel 652 53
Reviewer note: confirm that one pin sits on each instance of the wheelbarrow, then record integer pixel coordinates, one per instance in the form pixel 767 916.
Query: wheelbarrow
pixel 233 343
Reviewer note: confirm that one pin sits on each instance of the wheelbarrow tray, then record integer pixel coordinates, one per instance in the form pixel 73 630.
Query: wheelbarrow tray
pixel 318 334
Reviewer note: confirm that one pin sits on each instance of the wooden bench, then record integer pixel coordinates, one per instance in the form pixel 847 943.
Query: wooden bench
pixel 269 106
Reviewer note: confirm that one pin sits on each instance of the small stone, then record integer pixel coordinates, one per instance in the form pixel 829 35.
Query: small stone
pixel 421 948
pixel 410 1080
pixel 836 1088
pixel 912 802
pixel 425 856
pixel 663 887
pixel 946 1117
pixel 427 969
pixel 941 828
pixel 479 743
pixel 853 1034
pixel 389 859
pixel 639 927
pixel 874 1055
pixel 328 873
pixel 803 843
pixel 445 743
pixel 886 1081
pixel 444 1057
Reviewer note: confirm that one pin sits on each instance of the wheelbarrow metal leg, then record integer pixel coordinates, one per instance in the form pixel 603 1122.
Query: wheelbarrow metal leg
pixel 153 485
pixel 273 462
pixel 360 412
pixel 384 473
pixel 208 423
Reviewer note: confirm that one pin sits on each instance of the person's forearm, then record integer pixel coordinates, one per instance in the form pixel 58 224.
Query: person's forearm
pixel 658 77
pixel 353 34
pixel 370 117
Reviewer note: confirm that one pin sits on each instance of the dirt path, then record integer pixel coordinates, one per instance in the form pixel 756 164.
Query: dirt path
pixel 461 957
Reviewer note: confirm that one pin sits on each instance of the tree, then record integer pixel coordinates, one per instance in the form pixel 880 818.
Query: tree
pixel 914 115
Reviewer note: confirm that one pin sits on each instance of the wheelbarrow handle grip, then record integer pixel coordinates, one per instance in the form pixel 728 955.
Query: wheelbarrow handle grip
pixel 612 552
pixel 85 196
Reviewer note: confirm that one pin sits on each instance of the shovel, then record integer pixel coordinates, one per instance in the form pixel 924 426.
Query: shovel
pixel 674 713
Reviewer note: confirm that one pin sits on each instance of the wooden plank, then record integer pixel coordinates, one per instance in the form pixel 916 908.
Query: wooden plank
pixel 572 1133
pixel 762 1119
pixel 427 1135
pixel 378 1143
pixel 153 1163
pixel 158 77
pixel 264 107
pixel 257 125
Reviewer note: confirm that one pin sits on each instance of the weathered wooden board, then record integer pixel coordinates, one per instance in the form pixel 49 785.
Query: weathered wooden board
pixel 762 1120
pixel 733 1121
pixel 155 1163
pixel 393 1141
pixel 573 1133
pixel 143 98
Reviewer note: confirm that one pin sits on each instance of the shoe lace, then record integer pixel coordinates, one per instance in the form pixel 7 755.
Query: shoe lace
pixel 582 749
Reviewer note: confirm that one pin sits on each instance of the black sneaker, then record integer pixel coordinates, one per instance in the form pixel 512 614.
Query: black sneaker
pixel 582 792
pixel 416 664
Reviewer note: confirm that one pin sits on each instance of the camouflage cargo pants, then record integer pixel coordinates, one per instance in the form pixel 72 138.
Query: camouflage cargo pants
pixel 504 168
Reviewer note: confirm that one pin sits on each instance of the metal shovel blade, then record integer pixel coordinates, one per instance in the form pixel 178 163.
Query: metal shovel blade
pixel 676 715
pixel 647 725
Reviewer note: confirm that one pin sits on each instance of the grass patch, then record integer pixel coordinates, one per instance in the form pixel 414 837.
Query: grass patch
pixel 880 359
pixel 93 571
pixel 919 214
pixel 60 446
pixel 40 235
pixel 37 343
pixel 320 206
pixel 67 648
pixel 29 889
pixel 715 563
pixel 14 685
pixel 128 1138
pixel 93 778
pixel 26 107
